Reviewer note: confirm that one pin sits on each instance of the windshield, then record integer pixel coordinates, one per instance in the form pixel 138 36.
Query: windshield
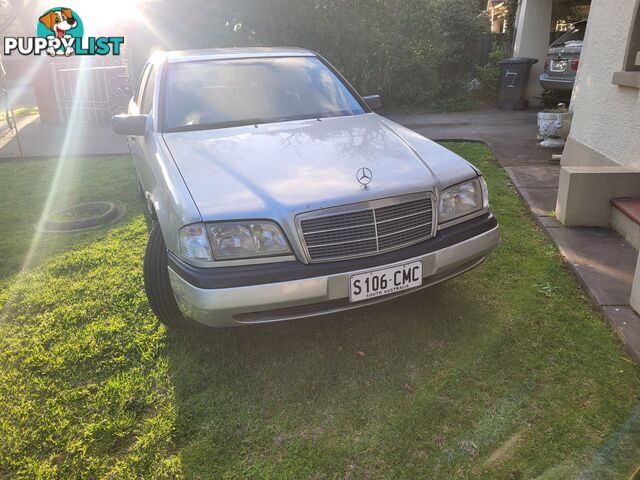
pixel 576 34
pixel 223 93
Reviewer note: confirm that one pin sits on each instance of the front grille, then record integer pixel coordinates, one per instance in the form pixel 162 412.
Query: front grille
pixel 368 231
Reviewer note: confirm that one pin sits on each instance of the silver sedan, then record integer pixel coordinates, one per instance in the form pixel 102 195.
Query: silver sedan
pixel 275 192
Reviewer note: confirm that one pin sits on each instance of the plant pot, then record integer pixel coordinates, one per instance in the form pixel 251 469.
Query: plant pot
pixel 554 124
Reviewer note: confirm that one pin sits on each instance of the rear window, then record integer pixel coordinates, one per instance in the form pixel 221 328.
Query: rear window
pixel 575 35
pixel 223 93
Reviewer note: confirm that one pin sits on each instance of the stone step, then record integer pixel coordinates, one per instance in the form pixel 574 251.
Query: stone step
pixel 603 262
pixel 625 219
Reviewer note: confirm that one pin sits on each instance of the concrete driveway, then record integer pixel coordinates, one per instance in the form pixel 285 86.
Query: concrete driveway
pixel 39 139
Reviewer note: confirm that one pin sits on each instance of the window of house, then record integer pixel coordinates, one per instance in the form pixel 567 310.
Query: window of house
pixel 633 53
pixel 630 75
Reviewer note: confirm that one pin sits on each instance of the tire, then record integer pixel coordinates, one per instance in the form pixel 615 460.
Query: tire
pixel 149 221
pixel 157 285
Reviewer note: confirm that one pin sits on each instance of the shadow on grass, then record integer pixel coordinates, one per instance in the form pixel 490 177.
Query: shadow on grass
pixel 304 397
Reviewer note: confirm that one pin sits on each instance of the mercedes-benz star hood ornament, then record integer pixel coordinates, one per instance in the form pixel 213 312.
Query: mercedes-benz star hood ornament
pixel 364 177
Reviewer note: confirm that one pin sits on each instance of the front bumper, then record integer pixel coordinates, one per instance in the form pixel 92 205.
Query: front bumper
pixel 232 296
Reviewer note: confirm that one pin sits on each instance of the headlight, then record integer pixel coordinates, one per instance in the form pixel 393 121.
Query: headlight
pixel 232 241
pixel 463 199
pixel 193 242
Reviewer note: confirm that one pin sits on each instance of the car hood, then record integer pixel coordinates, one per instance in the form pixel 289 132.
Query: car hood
pixel 280 169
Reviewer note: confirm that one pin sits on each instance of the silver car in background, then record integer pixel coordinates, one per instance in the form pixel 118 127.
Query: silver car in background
pixel 562 63
pixel 275 192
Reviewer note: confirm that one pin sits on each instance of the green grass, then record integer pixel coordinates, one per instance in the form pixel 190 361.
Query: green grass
pixel 504 373
pixel 24 190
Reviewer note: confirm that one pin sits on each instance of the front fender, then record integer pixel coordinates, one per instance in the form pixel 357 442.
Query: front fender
pixel 169 198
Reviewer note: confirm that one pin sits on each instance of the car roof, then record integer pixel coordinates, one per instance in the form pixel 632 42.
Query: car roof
pixel 178 56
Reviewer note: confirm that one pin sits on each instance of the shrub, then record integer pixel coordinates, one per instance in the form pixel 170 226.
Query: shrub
pixel 413 52
pixel 490 74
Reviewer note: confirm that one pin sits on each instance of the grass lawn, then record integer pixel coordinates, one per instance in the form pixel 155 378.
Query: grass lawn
pixel 24 190
pixel 504 373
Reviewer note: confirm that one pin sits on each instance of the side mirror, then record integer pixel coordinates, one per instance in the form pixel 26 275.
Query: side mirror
pixel 374 101
pixel 129 124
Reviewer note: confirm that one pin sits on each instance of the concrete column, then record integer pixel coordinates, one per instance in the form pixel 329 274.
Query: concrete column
pixel 532 40
pixel 585 193
pixel 635 291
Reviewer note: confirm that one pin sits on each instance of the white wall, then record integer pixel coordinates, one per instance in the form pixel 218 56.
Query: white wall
pixel 532 40
pixel 607 116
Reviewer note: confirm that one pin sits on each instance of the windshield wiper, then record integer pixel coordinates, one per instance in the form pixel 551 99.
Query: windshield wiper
pixel 257 121
pixel 235 123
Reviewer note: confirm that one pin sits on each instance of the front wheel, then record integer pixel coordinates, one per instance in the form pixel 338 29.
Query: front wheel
pixel 157 285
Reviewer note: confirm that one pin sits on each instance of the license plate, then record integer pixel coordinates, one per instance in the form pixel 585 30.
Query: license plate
pixel 558 65
pixel 385 281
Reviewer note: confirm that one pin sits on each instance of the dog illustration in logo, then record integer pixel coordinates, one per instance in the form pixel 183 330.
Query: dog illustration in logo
pixel 59 22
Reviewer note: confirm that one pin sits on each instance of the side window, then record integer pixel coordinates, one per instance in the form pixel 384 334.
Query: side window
pixel 146 101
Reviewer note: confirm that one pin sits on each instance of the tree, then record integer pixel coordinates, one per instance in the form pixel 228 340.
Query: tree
pixel 411 51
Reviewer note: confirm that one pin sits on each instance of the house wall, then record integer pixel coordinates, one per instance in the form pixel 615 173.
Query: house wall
pixel 497 13
pixel 605 134
pixel 601 159
pixel 606 123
